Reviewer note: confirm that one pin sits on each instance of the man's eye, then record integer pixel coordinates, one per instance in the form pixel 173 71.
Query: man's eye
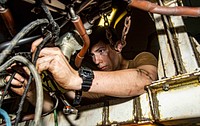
pixel 101 51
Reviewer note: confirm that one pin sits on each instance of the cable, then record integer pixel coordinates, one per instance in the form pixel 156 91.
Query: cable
pixel 55 118
pixel 52 94
pixel 40 46
pixel 49 35
pixel 6 88
pixel 39 88
pixel 55 26
pixel 15 40
pixel 5 116
pixel 22 101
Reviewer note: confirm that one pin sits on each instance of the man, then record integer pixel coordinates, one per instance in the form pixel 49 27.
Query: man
pixel 117 77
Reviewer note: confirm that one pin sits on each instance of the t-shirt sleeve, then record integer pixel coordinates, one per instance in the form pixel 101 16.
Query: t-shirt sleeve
pixel 143 58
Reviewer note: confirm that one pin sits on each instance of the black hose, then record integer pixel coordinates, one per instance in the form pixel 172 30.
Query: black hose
pixel 22 101
pixel 40 46
pixel 6 88
pixel 55 26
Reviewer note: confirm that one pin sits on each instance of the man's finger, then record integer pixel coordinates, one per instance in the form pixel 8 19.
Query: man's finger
pixel 19 90
pixel 14 81
pixel 44 63
pixel 50 51
pixel 26 69
pixel 35 44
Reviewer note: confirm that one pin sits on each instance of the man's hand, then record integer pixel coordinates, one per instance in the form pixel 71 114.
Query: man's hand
pixel 19 82
pixel 53 60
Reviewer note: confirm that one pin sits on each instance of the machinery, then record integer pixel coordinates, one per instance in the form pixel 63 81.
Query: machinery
pixel 171 100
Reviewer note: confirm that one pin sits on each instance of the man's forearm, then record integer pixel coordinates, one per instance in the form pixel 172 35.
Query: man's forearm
pixel 122 83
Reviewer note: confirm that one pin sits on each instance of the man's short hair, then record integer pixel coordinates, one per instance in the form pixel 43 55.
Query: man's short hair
pixel 99 34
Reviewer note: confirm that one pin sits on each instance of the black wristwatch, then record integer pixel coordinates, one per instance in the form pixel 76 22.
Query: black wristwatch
pixel 87 75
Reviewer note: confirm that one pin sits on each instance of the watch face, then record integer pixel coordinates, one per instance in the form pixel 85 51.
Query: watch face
pixel 87 73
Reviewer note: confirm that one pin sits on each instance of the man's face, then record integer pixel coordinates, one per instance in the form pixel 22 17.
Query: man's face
pixel 104 57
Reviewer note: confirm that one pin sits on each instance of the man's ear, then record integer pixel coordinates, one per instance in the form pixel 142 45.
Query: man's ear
pixel 118 46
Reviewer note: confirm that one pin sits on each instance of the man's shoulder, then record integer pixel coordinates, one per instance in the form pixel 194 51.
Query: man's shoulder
pixel 143 58
pixel 142 54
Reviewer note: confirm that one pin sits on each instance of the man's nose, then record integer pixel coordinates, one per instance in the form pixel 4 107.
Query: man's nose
pixel 97 59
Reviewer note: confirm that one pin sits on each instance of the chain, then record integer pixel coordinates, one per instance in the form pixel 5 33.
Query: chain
pixel 108 32
pixel 106 23
pixel 125 31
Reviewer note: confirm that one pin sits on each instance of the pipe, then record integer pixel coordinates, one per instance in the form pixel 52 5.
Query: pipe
pixel 21 42
pixel 8 20
pixel 176 11
pixel 81 30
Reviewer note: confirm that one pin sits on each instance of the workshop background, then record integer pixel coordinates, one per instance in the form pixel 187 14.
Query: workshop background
pixel 141 37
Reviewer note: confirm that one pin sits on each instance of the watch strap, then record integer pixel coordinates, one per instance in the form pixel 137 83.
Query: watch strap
pixel 87 76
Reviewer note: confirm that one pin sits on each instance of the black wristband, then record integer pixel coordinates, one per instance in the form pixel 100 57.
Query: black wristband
pixel 87 75
pixel 77 99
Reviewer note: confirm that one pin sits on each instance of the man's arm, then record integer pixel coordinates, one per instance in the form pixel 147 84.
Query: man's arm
pixel 123 83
